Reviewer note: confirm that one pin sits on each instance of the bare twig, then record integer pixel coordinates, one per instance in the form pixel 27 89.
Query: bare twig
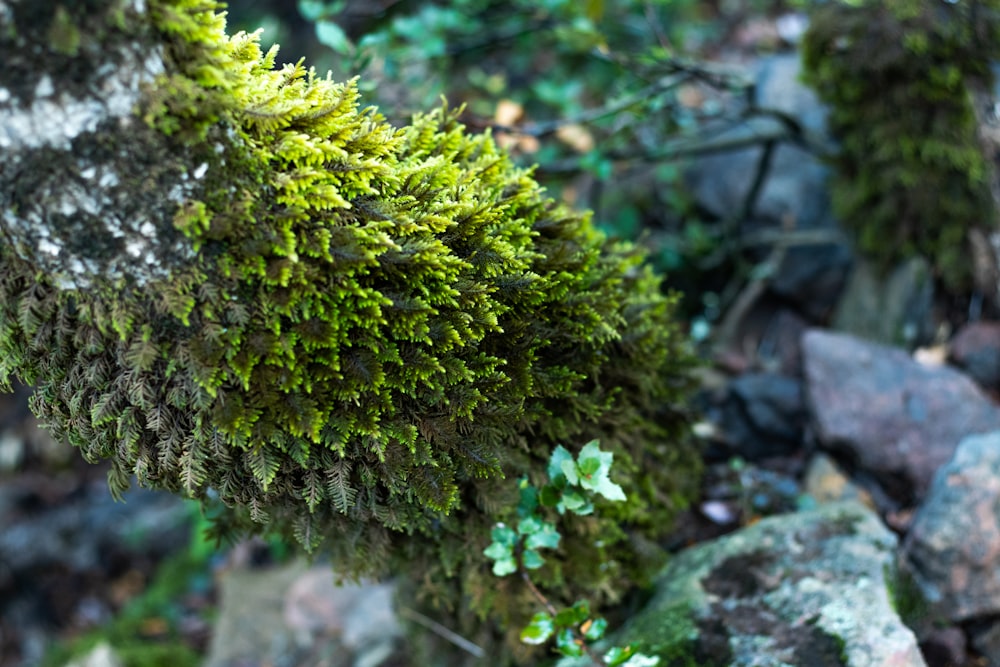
pixel 443 632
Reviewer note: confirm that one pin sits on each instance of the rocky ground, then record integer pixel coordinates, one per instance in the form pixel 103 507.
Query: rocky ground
pixel 850 512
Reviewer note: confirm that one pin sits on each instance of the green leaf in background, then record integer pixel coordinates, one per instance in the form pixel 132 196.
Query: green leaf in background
pixel 531 559
pixel 559 455
pixel 627 657
pixel 546 537
pixel 595 630
pixel 504 535
pixel 497 551
pixel 575 502
pixel 566 643
pixel 528 526
pixel 504 566
pixel 538 630
pixel 571 472
pixel 573 616
pixel 332 35
pixel 589 466
pixel 549 496
pixel 529 498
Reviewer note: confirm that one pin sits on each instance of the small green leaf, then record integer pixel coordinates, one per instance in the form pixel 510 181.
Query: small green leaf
pixel 559 455
pixel 617 655
pixel 538 630
pixel 592 450
pixel 627 657
pixel 573 616
pixel 567 643
pixel 571 472
pixel 503 535
pixel 332 35
pixel 595 629
pixel 529 498
pixel 497 551
pixel 531 559
pixel 504 566
pixel 547 537
pixel 600 483
pixel 575 502
pixel 549 496
pixel 529 526
pixel 589 466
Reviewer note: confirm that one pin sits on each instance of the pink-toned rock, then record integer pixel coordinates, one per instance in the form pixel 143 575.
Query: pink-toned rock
pixel 953 547
pixel 895 418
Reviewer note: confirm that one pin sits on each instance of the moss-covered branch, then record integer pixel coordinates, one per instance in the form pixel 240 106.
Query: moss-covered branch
pixel 236 283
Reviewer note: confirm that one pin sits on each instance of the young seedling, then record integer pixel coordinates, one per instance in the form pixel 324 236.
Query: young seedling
pixel 573 483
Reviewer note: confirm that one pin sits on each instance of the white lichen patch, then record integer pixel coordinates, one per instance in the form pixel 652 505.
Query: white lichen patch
pixel 201 170
pixel 48 247
pixel 55 117
pixel 45 87
pixel 4 95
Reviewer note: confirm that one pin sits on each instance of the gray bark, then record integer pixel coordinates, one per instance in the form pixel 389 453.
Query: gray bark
pixel 87 190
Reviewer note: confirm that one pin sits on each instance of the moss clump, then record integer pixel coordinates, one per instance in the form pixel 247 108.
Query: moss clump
pixel 377 327
pixel 910 176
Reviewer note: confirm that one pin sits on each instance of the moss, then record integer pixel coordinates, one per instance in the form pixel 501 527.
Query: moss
pixel 378 327
pixel 63 33
pixel 910 176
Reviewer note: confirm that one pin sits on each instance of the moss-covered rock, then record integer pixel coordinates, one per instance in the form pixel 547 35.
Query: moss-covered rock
pixel 376 331
pixel 910 176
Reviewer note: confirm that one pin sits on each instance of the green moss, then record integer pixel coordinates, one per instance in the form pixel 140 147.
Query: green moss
pixel 379 325
pixel 63 33
pixel 910 176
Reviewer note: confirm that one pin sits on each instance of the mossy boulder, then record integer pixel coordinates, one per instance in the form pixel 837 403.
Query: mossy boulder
pixel 910 176
pixel 374 331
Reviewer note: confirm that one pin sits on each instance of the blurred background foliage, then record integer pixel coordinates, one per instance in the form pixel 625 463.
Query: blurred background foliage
pixel 606 97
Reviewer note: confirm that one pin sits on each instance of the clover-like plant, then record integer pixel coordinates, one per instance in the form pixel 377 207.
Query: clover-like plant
pixel 573 485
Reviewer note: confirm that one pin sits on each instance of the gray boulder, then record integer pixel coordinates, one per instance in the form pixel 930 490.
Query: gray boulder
pixel 811 588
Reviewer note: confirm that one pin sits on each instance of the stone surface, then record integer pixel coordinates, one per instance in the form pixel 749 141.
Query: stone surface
pixel 986 640
pixel 763 415
pixel 800 589
pixel 827 483
pixel 894 418
pixel 953 546
pixel 793 198
pixel 295 615
pixel 976 350
pixel 895 309
pixel 101 655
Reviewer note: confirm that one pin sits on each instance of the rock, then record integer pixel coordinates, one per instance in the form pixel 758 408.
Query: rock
pixel 101 655
pixel 779 88
pixel 81 535
pixel 953 546
pixel 945 646
pixel 812 277
pixel 894 309
pixel 986 640
pixel 361 614
pixel 976 350
pixel 294 615
pixel 811 588
pixel 763 415
pixel 827 483
pixel 890 416
pixel 793 198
